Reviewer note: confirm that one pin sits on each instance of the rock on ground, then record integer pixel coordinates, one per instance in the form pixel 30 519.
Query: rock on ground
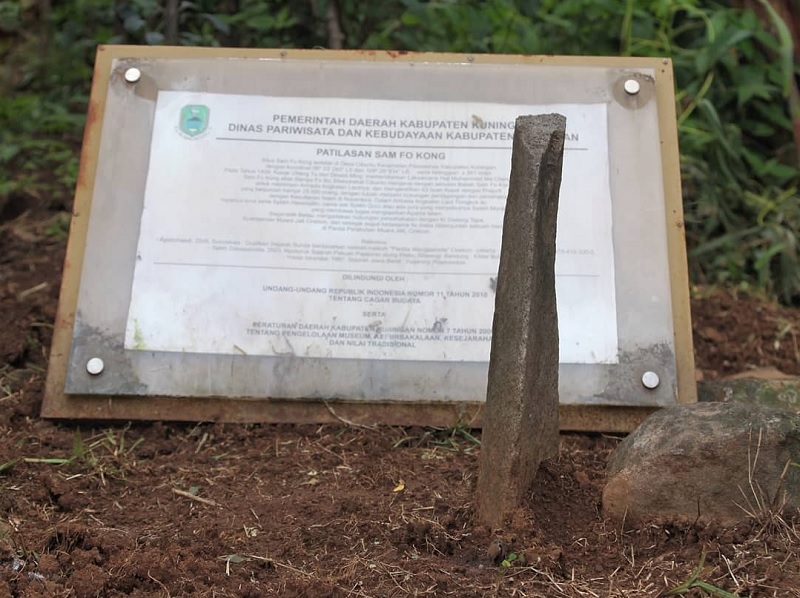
pixel 710 461
pixel 779 393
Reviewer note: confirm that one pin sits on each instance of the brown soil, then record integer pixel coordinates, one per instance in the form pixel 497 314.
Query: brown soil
pixel 232 510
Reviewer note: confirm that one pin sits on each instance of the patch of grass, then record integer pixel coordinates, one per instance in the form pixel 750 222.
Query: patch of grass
pixel 108 454
pixel 9 464
pixel 457 438
pixel 767 511
pixel 57 228
pixel 6 390
pixel 13 380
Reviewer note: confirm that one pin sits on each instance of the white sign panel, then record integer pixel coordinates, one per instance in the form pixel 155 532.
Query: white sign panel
pixel 367 229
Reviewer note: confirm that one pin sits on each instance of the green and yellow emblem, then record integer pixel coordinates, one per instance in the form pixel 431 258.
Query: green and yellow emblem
pixel 194 119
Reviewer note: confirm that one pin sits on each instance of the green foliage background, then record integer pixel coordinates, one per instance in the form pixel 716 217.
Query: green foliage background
pixel 736 74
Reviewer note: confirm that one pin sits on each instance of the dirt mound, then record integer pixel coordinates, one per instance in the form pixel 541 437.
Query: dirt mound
pixel 238 510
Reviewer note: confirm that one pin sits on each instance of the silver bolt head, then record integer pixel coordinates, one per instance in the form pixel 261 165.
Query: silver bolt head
pixel 95 366
pixel 632 87
pixel 132 75
pixel 650 380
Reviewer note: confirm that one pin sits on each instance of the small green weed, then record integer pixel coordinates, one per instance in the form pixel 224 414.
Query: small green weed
pixel 511 559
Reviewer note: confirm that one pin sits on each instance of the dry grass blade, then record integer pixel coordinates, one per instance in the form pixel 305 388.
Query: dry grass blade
pixel 346 421
pixel 195 498
pixel 766 511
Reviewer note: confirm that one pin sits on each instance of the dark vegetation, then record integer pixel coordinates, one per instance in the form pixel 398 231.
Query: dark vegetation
pixel 737 68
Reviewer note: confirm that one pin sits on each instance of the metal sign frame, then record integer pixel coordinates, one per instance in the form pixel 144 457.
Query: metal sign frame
pixel 622 417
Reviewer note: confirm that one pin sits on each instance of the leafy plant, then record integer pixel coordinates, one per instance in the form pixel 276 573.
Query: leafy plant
pixel 735 76
pixel 738 90
pixel 509 560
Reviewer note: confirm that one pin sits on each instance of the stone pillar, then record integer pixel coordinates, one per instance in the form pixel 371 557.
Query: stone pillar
pixel 520 419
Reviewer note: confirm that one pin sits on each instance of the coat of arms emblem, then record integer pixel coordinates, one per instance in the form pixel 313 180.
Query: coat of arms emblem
pixel 194 119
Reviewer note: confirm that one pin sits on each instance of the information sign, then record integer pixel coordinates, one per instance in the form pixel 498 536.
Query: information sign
pixel 298 236
pixel 365 229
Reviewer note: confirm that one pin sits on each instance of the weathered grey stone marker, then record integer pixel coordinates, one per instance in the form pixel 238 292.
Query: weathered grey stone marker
pixel 520 426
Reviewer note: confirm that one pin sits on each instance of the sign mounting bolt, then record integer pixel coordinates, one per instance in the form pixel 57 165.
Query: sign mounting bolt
pixel 95 366
pixel 132 75
pixel 632 87
pixel 650 380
